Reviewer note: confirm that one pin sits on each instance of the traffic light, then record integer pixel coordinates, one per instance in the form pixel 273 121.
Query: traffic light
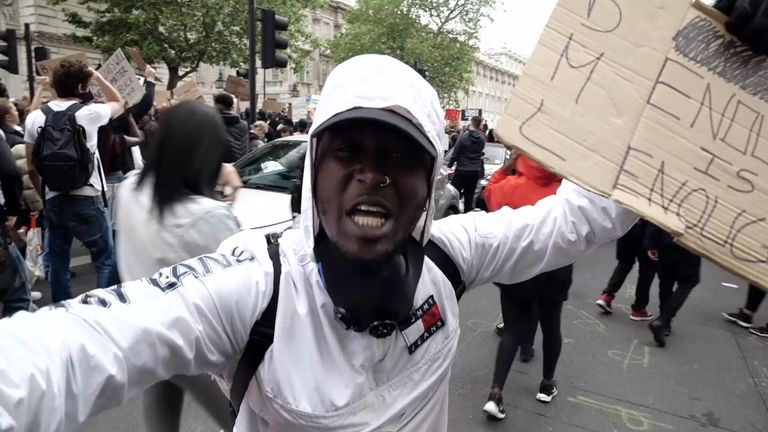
pixel 271 41
pixel 10 50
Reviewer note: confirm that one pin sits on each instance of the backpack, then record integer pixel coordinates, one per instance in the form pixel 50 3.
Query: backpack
pixel 61 154
pixel 263 330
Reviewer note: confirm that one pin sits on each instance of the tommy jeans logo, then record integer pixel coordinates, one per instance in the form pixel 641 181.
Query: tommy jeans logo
pixel 424 321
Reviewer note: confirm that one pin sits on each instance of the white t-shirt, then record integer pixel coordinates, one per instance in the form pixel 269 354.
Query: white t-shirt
pixel 91 117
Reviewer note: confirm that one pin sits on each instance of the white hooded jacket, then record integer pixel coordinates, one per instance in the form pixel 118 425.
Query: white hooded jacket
pixel 108 345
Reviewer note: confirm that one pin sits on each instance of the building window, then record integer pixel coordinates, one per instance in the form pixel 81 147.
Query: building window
pixel 275 75
pixel 327 32
pixel 325 67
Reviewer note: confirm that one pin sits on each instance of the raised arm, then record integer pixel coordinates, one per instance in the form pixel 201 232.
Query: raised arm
pixel 65 364
pixel 510 246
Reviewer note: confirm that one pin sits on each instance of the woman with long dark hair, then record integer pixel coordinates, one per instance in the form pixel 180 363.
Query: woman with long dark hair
pixel 168 213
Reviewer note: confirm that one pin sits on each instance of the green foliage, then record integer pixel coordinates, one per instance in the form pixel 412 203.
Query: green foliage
pixel 441 35
pixel 185 33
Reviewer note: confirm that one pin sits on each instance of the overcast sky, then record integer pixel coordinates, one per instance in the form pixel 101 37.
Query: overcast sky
pixel 517 24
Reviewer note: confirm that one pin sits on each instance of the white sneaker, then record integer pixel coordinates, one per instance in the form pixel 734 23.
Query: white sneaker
pixel 494 410
pixel 547 392
pixel 35 295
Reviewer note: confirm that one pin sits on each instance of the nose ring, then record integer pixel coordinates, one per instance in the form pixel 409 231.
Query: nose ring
pixel 386 183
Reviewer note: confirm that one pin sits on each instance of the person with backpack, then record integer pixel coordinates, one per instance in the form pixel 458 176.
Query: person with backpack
pixel 167 213
pixel 468 157
pixel 349 322
pixel 237 129
pixel 66 170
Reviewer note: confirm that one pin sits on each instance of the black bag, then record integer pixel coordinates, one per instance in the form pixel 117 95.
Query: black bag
pixel 61 153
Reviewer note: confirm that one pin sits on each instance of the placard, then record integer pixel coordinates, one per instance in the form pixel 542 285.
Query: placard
pixel 46 67
pixel 119 72
pixel 668 121
pixel 187 91
pixel 239 87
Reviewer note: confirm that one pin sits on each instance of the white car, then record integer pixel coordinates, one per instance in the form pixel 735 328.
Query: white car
pixel 271 172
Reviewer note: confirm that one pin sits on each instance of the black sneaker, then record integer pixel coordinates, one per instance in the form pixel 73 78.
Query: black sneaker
pixel 500 328
pixel 526 354
pixel 547 392
pixel 668 330
pixel 657 328
pixel 739 318
pixel 760 331
pixel 494 408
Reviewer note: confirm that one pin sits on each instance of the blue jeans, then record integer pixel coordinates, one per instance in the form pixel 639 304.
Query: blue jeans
pixel 17 299
pixel 83 218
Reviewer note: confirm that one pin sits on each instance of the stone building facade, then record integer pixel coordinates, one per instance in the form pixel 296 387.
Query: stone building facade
pixel 496 75
pixel 49 28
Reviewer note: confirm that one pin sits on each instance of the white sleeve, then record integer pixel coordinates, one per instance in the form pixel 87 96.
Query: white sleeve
pixel 94 115
pixel 510 246
pixel 73 360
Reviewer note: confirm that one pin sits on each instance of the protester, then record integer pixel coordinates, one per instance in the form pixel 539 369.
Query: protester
pixel 78 212
pixel 336 361
pixel 745 315
pixel 257 135
pixel 167 214
pixel 468 157
pixel 526 304
pixel 285 131
pixel 13 271
pixel 628 249
pixel 9 123
pixel 675 265
pixel 302 127
pixel 237 129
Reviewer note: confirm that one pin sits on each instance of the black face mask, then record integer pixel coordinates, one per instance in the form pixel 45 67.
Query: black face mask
pixel 85 98
pixel 374 297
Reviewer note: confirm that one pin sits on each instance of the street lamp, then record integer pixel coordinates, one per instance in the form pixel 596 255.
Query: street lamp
pixel 220 81
pixel 295 90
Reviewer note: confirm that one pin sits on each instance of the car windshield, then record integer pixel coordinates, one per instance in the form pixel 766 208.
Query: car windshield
pixel 495 154
pixel 276 166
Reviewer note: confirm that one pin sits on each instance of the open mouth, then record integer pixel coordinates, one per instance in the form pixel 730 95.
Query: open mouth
pixel 369 215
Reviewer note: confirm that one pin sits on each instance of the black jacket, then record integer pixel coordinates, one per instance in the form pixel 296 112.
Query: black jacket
pixel 10 182
pixel 13 136
pixel 237 137
pixel 656 238
pixel 468 152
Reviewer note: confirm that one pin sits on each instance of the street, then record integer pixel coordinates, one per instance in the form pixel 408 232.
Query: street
pixel 712 375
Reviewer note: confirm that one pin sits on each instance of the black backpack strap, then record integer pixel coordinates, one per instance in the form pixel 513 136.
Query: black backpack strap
pixel 260 339
pixel 75 107
pixel 446 265
pixel 46 110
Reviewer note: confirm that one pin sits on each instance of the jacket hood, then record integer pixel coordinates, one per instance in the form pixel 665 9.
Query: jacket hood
pixel 537 173
pixel 476 136
pixel 380 82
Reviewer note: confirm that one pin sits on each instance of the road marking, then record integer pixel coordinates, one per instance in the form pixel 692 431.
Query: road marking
pixel 624 308
pixel 630 358
pixel 729 285
pixel 588 321
pixel 630 292
pixel 763 372
pixel 634 420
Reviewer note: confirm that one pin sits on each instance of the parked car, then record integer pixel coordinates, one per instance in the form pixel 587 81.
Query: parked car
pixel 495 156
pixel 271 172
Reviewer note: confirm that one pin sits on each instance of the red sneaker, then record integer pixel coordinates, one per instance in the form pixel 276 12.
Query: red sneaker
pixel 604 302
pixel 642 315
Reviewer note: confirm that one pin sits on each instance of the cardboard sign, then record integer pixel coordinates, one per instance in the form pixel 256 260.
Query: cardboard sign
pixel 453 115
pixel 239 87
pixel 468 113
pixel 162 98
pixel 668 121
pixel 298 108
pixel 46 67
pixel 120 74
pixel 187 91
pixel 137 58
pixel 272 106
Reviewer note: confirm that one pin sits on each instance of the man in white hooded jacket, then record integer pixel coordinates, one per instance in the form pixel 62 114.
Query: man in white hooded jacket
pixel 367 209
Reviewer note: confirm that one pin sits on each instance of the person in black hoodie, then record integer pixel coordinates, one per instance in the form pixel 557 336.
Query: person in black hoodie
pixel 237 129
pixel 468 157
pixel 675 264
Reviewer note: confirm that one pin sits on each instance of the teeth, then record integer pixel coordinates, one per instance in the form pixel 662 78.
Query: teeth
pixel 365 207
pixel 368 221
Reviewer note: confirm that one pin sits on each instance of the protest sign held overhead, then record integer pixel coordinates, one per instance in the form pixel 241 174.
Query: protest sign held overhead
pixel 46 67
pixel 669 122
pixel 120 74
pixel 187 91
pixel 239 87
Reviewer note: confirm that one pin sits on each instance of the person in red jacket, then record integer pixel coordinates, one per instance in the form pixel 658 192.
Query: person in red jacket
pixel 536 301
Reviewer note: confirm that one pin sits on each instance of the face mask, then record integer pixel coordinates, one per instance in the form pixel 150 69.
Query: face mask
pixel 86 97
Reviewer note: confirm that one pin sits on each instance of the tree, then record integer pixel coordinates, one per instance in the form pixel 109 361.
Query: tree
pixel 184 33
pixel 441 35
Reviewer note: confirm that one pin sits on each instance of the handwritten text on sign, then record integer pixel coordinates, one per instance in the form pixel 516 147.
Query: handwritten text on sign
pixel 669 122
pixel 119 72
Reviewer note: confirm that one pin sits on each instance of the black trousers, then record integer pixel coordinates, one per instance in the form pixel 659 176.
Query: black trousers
pixel 755 297
pixel 466 182
pixel 676 266
pixel 629 248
